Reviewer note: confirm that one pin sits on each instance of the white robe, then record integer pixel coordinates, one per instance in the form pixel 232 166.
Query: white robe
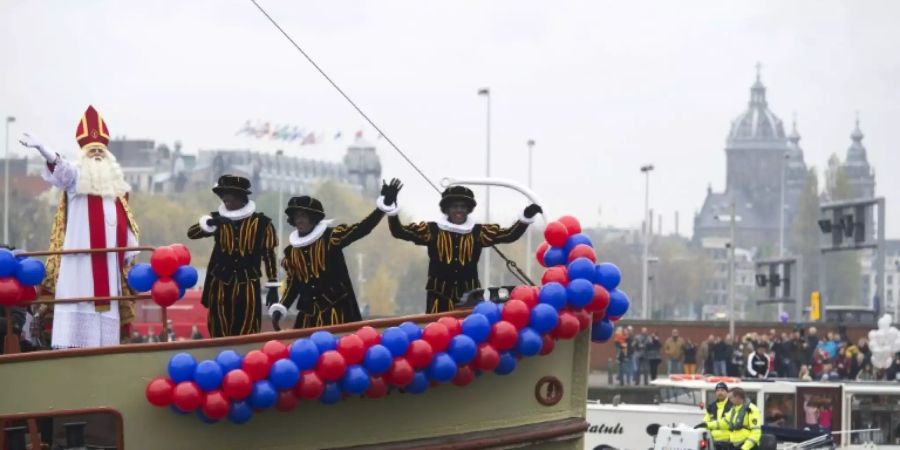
pixel 78 324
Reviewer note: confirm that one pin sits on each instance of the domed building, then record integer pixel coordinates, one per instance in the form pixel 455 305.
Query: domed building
pixel 759 156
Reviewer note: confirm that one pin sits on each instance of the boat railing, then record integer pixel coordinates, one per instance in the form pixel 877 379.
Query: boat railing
pixel 869 435
pixel 11 341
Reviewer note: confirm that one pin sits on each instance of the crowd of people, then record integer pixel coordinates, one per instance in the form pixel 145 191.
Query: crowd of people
pixel 800 354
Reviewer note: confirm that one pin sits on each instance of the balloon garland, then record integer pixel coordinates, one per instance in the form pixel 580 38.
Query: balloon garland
pixel 18 277
pixel 409 358
pixel 168 275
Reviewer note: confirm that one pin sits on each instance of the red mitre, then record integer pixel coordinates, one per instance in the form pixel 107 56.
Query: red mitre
pixel 92 129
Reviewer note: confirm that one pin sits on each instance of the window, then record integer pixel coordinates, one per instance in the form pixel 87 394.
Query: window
pixel 780 410
pixel 711 396
pixel 97 428
pixel 876 411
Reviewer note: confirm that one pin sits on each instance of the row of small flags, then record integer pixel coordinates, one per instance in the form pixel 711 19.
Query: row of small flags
pixel 288 133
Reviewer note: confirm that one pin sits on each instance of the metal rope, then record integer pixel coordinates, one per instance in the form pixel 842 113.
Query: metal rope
pixel 510 265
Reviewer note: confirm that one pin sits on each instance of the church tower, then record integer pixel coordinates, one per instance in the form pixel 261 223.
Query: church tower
pixel 860 175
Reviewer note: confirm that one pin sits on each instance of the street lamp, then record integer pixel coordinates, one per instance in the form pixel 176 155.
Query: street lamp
pixel 781 218
pixel 9 120
pixel 528 256
pixel 278 156
pixel 733 219
pixel 646 310
pixel 486 92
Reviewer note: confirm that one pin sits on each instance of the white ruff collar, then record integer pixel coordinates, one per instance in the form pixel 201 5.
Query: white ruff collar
pixel 238 214
pixel 302 241
pixel 463 228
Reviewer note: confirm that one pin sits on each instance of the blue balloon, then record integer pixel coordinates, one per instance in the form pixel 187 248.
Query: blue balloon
pixel 324 341
pixel 555 256
pixel 442 368
pixel 181 367
pixel 30 272
pixel 544 318
pixel 581 268
pixel 263 395
pixel 240 412
pixel 530 342
pixel 186 277
pixel 576 239
pixel 356 380
pixel 608 275
pixel 332 394
pixel 229 360
pixel 419 383
pixel 204 418
pixel 378 359
pixel 208 375
pixel 8 263
pixel 553 294
pixel 396 340
pixel 580 292
pixel 602 331
pixel 304 353
pixel 412 330
pixel 462 349
pixel 284 374
pixel 181 292
pixel 618 303
pixel 178 411
pixel 477 327
pixel 141 277
pixel 489 309
pixel 507 364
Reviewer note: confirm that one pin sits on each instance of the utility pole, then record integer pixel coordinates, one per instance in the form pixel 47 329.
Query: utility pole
pixel 9 120
pixel 528 249
pixel 645 314
pixel 486 92
pixel 731 275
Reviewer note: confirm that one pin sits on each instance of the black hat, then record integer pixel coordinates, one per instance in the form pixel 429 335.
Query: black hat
pixel 232 183
pixel 305 203
pixel 455 193
pixel 721 386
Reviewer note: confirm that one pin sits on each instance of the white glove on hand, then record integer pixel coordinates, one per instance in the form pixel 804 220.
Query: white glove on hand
pixel 31 142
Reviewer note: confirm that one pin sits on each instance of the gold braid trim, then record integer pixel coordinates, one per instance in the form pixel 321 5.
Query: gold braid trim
pixel 126 308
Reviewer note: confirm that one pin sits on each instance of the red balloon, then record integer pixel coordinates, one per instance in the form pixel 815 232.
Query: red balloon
pixel 464 376
pixel 548 344
pixel 331 366
pixel 486 359
pixel 539 254
pixel 286 401
pixel 525 294
pixel 613 318
pixel 571 224
pixel 582 251
pixel 556 234
pixel 419 354
pixel 164 261
pixel 401 373
pixel 517 313
pixel 237 385
pixel 568 326
pixel 352 348
pixel 600 300
pixel 187 396
pixel 159 391
pixel 182 254
pixel 453 325
pixel 558 274
pixel 584 319
pixel 377 388
pixel 437 335
pixel 165 292
pixel 369 336
pixel 215 405
pixel 256 364
pixel 310 386
pixel 503 335
pixel 11 291
pixel 275 350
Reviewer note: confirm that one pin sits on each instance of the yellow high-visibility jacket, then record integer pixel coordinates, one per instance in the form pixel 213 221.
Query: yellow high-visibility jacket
pixel 714 413
pixel 745 425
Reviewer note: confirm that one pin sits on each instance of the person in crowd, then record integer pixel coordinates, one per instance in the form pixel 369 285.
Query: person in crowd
pixel 758 363
pixel 169 331
pixel 706 350
pixel 829 373
pixel 674 350
pixel 195 333
pixel 639 365
pixel 136 337
pixel 715 412
pixel 825 414
pixel 317 275
pixel 811 412
pixel 245 239
pixel 690 357
pixel 653 355
pixel 721 352
pixel 812 342
pixel 867 373
pixel 455 242
pixel 797 353
pixel 804 373
pixel 736 363
pixel 622 358
pixel 152 337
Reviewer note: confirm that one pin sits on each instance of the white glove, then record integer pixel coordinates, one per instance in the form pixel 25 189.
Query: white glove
pixel 31 142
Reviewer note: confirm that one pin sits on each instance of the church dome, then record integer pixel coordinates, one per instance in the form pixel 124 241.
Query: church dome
pixel 757 123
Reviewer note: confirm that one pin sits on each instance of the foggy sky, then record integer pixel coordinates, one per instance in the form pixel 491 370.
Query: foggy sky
pixel 603 87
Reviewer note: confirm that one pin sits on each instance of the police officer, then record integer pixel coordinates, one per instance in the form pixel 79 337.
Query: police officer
pixel 714 414
pixel 743 421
